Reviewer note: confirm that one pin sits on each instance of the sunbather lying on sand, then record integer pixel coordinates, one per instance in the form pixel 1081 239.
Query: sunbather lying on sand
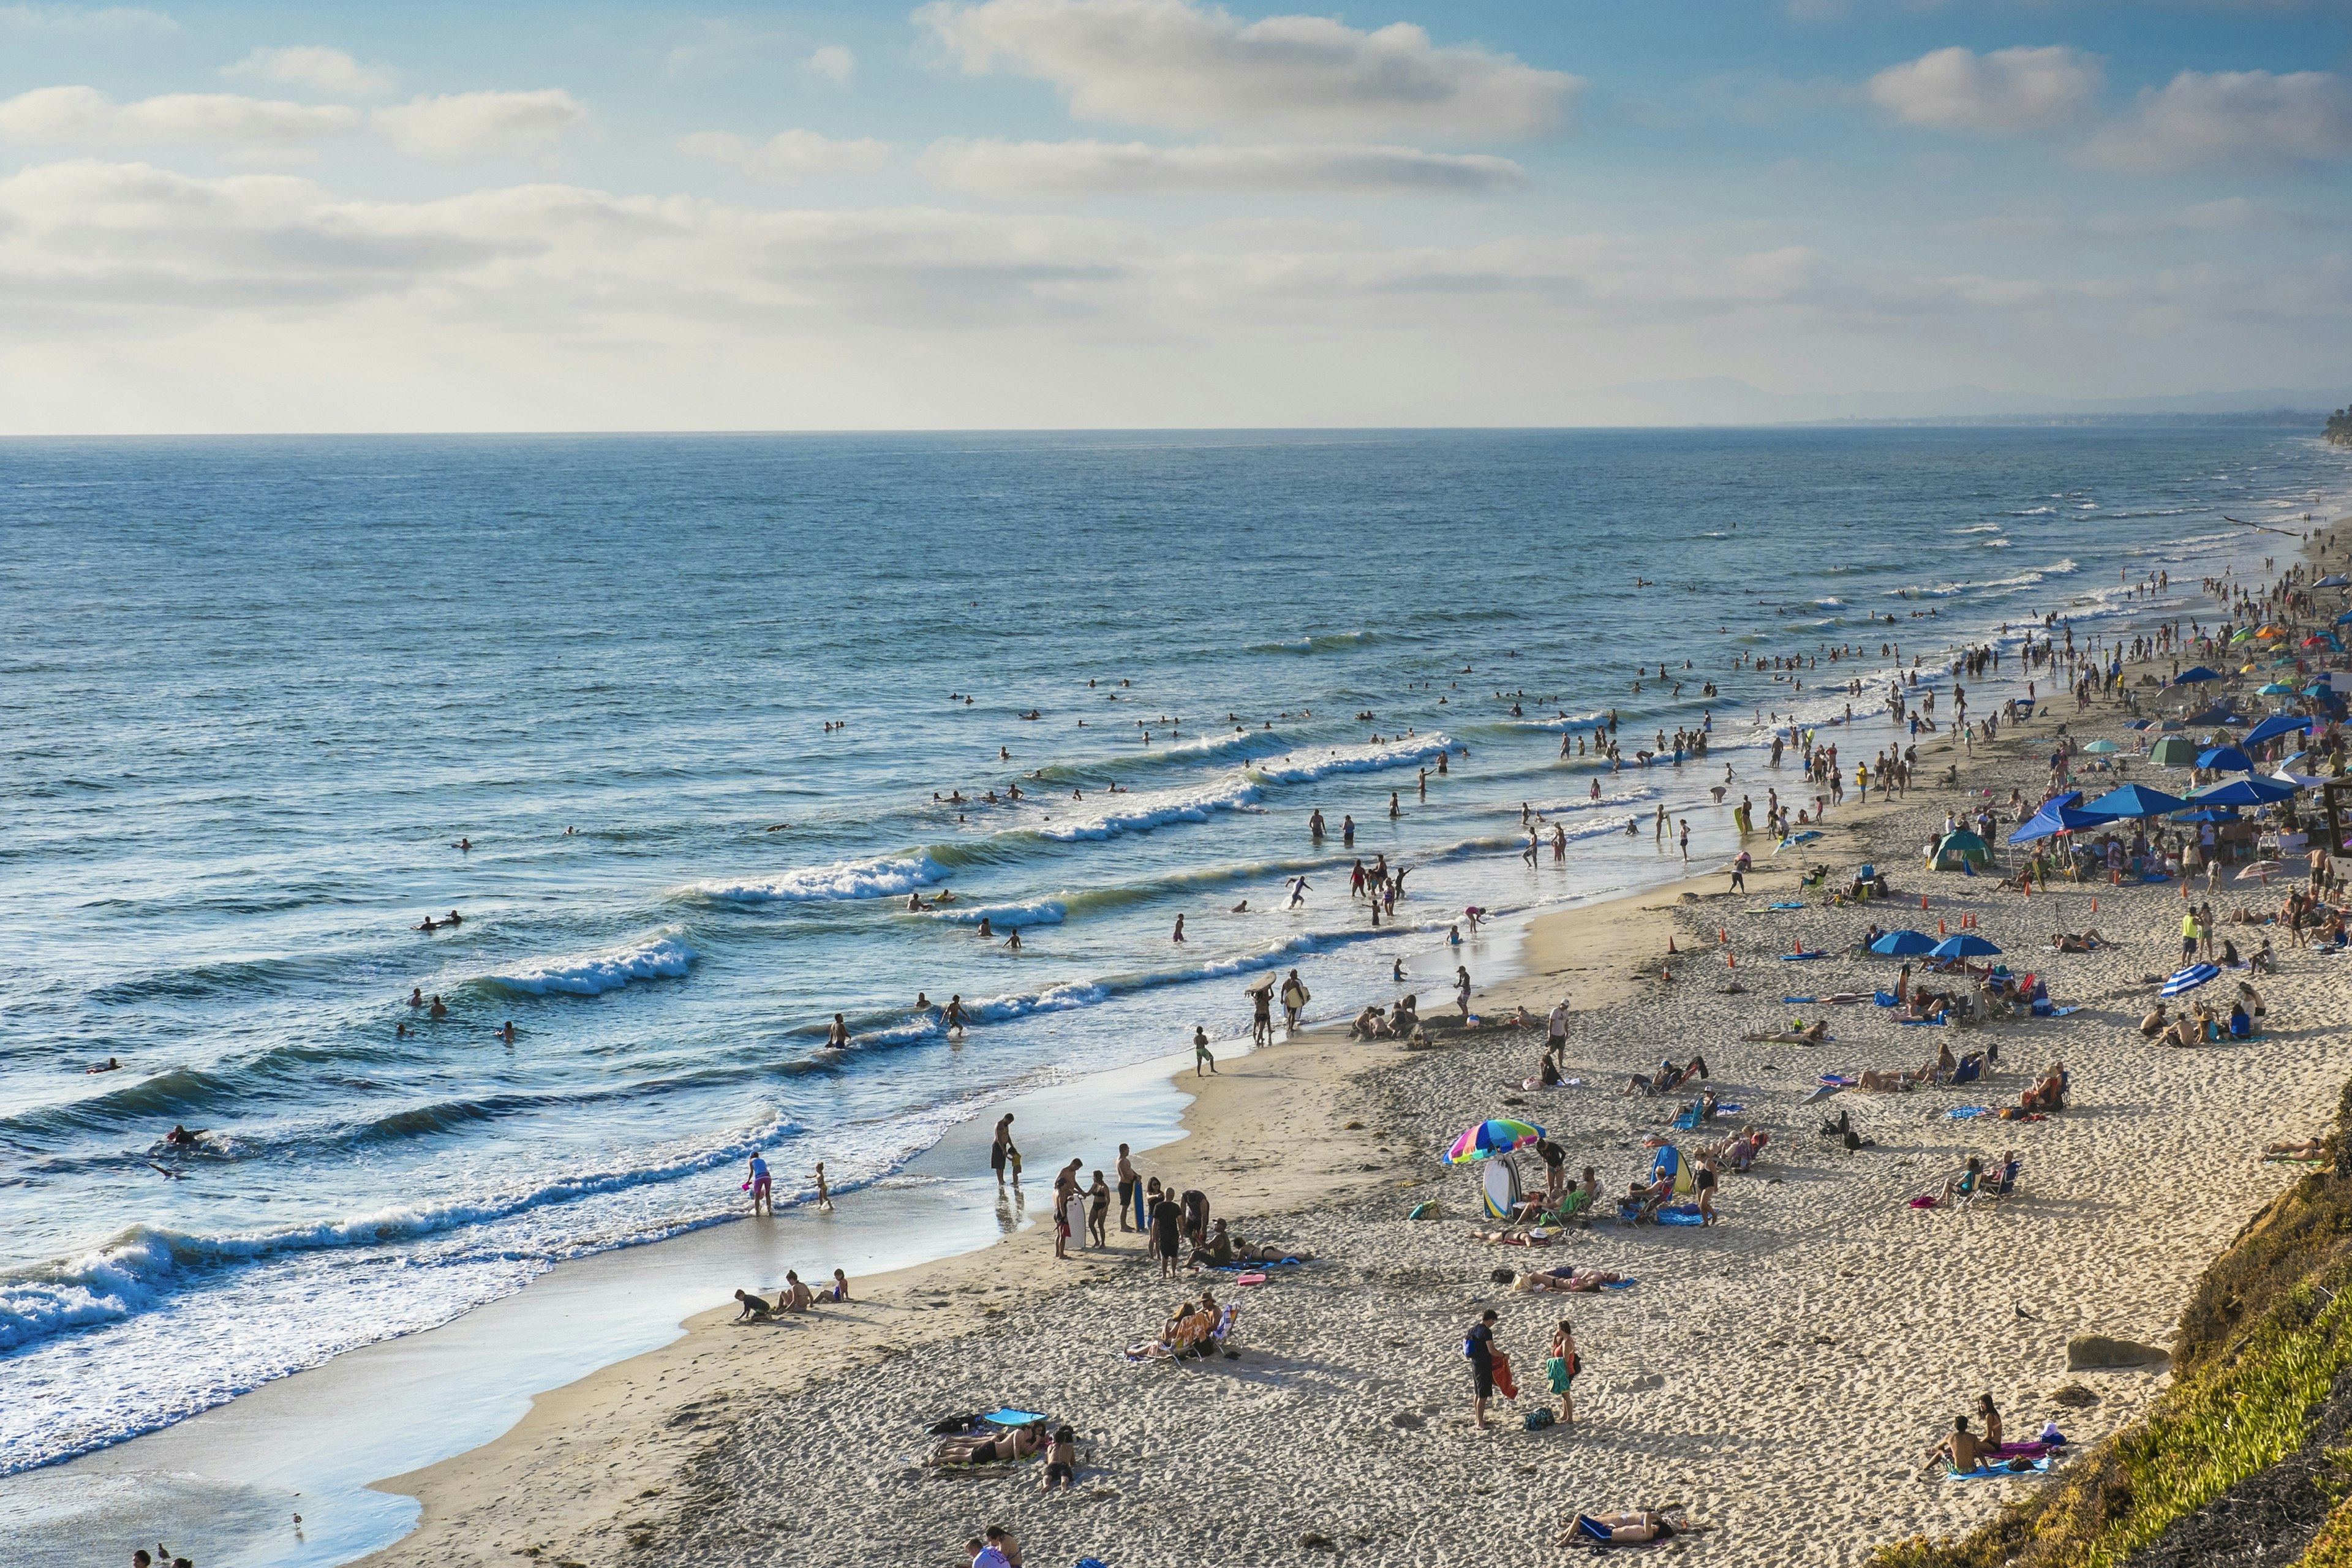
pixel 1564 1281
pixel 2309 1149
pixel 1643 1526
pixel 1812 1034
pixel 2087 941
pixel 977 1449
pixel 1667 1077
pixel 1223 1247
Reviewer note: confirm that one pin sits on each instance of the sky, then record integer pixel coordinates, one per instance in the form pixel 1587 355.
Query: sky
pixel 1055 214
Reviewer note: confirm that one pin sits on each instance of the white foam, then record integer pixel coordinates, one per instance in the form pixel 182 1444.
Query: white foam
pixel 1029 912
pixel 1301 767
pixel 872 879
pixel 1141 812
pixel 662 957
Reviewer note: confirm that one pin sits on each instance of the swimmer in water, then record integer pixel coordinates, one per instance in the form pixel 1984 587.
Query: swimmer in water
pixel 1240 908
pixel 953 1016
pixel 985 928
pixel 109 1065
pixel 508 1033
pixel 416 995
pixel 439 1009
pixel 454 918
pixel 1179 930
pixel 1299 892
pixel 463 843
pixel 181 1138
pixel 427 924
pixel 837 1034
pixel 1013 942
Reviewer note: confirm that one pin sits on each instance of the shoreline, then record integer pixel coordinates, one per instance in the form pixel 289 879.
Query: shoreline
pixel 1358 1150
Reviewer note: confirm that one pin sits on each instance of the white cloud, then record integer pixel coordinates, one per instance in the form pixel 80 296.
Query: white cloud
pixel 789 155
pixel 83 115
pixel 1186 67
pixel 481 124
pixel 833 63
pixel 2201 118
pixel 107 22
pixel 315 66
pixel 1997 94
pixel 1065 170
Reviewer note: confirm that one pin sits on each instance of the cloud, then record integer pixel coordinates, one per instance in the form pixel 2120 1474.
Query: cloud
pixel 833 63
pixel 789 155
pixel 1185 67
pixel 1069 170
pixel 85 116
pixel 481 124
pixel 1998 94
pixel 314 65
pixel 2200 118
pixel 107 22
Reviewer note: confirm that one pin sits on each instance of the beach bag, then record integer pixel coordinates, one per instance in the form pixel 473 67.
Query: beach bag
pixel 1536 1420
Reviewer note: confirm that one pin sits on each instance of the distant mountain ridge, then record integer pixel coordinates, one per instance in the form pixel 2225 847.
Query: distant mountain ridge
pixel 1727 400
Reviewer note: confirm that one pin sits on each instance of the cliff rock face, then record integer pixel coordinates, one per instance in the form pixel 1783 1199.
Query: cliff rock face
pixel 2340 428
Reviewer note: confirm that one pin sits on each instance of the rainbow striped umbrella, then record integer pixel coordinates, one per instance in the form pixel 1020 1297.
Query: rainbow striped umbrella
pixel 1491 1138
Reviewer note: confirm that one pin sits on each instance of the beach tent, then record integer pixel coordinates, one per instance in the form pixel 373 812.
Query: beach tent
pixel 2278 724
pixel 2218 714
pixel 2334 580
pixel 2174 751
pixel 1903 944
pixel 2225 759
pixel 2196 677
pixel 2133 801
pixel 2055 818
pixel 2245 792
pixel 1959 848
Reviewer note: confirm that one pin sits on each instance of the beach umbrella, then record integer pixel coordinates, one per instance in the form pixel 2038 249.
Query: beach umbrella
pixel 2334 580
pixel 2187 980
pixel 2102 748
pixel 2218 714
pixel 2210 813
pixel 1807 837
pixel 2278 723
pixel 2239 637
pixel 2344 619
pixel 2276 689
pixel 2196 676
pixel 1488 1139
pixel 2330 642
pixel 2245 792
pixel 1966 944
pixel 2261 870
pixel 2225 759
pixel 2300 781
pixel 1903 944
pixel 2173 752
pixel 2267 633
pixel 2134 800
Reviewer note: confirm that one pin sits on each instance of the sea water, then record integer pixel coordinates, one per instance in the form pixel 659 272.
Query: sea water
pixel 258 691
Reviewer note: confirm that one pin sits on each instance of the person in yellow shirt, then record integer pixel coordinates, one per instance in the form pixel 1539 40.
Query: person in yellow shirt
pixel 2188 935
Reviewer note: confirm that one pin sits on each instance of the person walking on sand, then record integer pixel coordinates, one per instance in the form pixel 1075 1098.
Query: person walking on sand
pixel 1166 1214
pixel 1130 1195
pixel 1294 1000
pixel 1200 1057
pixel 1000 1151
pixel 761 1186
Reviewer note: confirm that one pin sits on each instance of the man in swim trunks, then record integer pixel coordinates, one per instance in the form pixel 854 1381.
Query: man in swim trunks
pixel 999 1149
pixel 1127 1202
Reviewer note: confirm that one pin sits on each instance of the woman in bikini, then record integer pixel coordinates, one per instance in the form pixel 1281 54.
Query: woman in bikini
pixel 1562 1366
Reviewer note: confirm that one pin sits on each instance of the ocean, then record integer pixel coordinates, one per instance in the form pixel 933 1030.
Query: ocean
pixel 258 692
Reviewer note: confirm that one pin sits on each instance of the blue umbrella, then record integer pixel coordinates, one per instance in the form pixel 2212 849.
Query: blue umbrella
pixel 2196 677
pixel 1903 944
pixel 2225 759
pixel 2139 723
pixel 2278 724
pixel 2245 792
pixel 2190 979
pixel 2346 618
pixel 2334 580
pixel 1961 944
pixel 2211 814
pixel 2134 800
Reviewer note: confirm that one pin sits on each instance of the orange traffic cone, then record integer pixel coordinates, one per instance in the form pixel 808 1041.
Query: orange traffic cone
pixel 1923 903
pixel 1723 936
pixel 1670 942
pixel 1939 928
pixel 2095 906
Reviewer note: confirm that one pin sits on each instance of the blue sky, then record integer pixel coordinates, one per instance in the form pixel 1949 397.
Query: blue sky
pixel 1152 212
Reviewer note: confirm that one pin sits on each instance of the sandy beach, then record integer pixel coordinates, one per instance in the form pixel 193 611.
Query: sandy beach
pixel 1778 1375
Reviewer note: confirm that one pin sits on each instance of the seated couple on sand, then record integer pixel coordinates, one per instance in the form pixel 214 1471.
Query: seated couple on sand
pixel 1189 1331
pixel 1371 1023
pixel 1223 1248
pixel 1739 1150
pixel 1667 1078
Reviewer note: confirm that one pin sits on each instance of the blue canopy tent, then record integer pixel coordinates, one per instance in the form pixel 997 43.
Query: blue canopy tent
pixel 2056 817
pixel 2334 580
pixel 2344 619
pixel 2278 724
pixel 2196 676
pixel 2245 792
pixel 2225 759
pixel 2133 801
pixel 2215 716
pixel 2211 813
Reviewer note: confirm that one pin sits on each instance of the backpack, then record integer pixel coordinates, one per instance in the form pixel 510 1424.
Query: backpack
pixel 1536 1420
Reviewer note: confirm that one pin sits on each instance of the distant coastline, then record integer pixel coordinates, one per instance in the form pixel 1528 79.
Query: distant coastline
pixel 2340 428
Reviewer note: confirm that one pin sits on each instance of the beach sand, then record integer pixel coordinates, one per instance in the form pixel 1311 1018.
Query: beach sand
pixel 1778 1375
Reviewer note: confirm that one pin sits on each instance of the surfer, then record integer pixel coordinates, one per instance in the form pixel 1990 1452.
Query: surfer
pixel 109 1065
pixel 1297 892
pixel 181 1138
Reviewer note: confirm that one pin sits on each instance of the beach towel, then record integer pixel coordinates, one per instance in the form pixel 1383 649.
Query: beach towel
pixel 1821 1093
pixel 1687 1122
pixel 1597 1535
pixel 1803 957
pixel 1883 998
pixel 1923 1203
pixel 1985 1473
pixel 1680 1213
pixel 1788 999
pixel 1791 904
pixel 2065 1012
pixel 1836 1079
pixel 1934 1023
pixel 1968 1113
pixel 1014 1418
pixel 1254 1265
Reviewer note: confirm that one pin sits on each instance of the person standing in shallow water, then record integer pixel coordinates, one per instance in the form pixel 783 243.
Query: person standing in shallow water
pixel 1000 1150
pixel 1200 1057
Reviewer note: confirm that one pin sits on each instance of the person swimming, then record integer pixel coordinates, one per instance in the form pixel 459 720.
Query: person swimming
pixel 181 1138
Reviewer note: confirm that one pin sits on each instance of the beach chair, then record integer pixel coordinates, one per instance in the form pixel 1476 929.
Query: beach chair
pixel 1999 1184
pixel 1970 1069
pixel 1223 1336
